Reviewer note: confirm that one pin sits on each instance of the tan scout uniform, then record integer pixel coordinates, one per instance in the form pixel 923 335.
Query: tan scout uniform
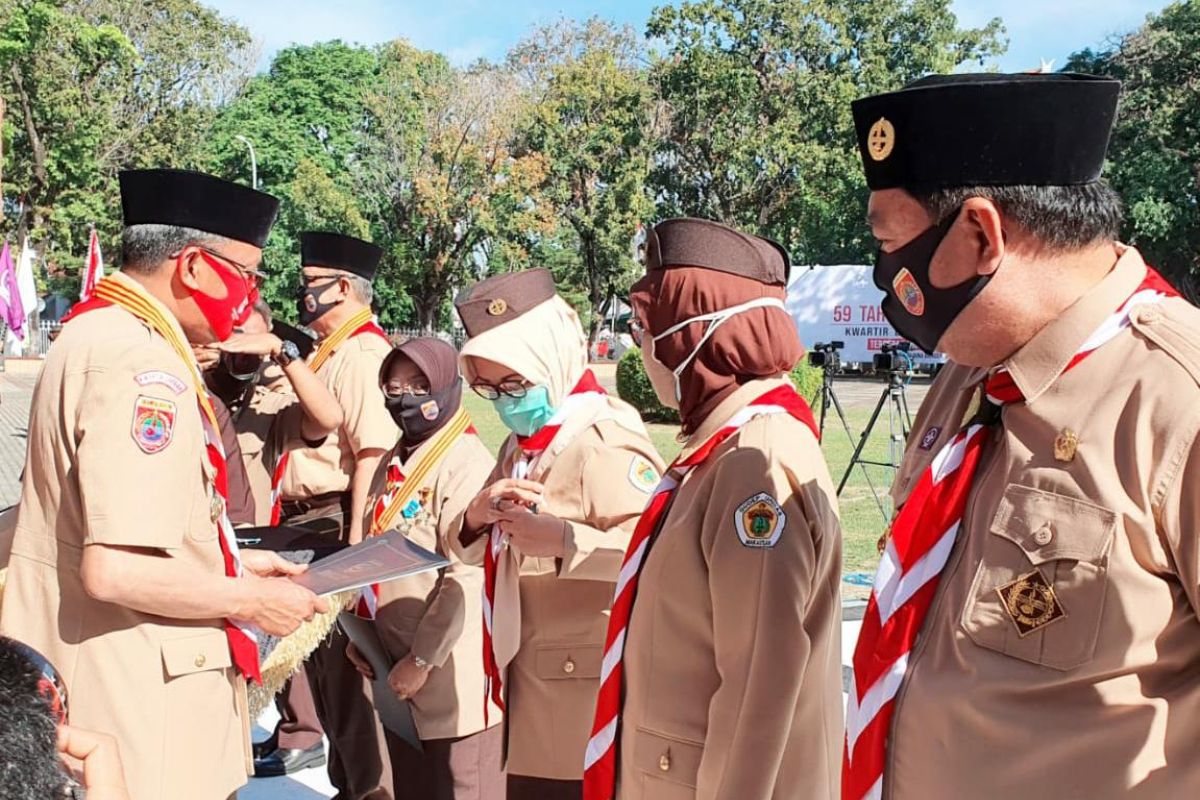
pixel 352 375
pixel 552 683
pixel 254 434
pixel 437 615
pixel 164 688
pixel 1103 702
pixel 704 713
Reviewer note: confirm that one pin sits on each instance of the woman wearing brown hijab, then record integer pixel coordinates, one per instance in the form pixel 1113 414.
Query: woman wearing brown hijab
pixel 430 623
pixel 722 669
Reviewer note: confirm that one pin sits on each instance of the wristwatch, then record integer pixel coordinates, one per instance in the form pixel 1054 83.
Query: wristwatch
pixel 288 352
pixel 419 662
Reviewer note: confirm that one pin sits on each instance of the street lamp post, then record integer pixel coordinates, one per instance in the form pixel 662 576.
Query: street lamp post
pixel 253 161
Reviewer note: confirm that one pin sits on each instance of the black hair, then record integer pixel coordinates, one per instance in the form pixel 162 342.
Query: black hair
pixel 30 768
pixel 1062 218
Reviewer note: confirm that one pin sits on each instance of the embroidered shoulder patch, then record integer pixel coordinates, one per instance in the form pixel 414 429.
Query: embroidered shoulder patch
pixel 157 376
pixel 759 521
pixel 153 423
pixel 643 475
pixel 930 438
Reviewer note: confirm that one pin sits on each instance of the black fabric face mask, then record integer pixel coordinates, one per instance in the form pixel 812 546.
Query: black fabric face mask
pixel 309 307
pixel 420 416
pixel 234 376
pixel 918 310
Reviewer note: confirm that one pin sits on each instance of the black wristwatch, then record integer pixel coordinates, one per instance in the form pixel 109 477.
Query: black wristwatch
pixel 288 352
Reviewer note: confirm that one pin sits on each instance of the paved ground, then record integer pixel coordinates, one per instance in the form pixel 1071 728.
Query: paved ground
pixel 16 386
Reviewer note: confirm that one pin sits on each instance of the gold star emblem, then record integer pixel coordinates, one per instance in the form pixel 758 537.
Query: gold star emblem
pixel 1065 445
pixel 881 139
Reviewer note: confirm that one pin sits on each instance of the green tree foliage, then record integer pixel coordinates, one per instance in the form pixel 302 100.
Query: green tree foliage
pixel 590 118
pixel 1155 150
pixel 758 95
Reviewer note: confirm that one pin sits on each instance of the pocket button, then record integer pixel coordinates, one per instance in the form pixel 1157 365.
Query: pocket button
pixel 1044 535
pixel 664 761
pixel 568 666
pixel 200 660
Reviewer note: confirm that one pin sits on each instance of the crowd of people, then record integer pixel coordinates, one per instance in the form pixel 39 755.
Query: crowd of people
pixel 608 625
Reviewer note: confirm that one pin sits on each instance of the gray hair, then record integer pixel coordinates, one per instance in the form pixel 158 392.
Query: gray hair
pixel 360 287
pixel 145 247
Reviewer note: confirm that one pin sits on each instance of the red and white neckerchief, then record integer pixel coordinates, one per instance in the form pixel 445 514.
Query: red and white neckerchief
pixel 922 537
pixel 500 558
pixel 243 639
pixel 398 490
pixel 600 759
pixel 362 322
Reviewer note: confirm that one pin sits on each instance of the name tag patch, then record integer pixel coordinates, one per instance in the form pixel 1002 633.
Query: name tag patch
pixel 153 423
pixel 157 376
pixel 759 521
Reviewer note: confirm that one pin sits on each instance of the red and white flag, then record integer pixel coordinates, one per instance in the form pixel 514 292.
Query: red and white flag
pixel 93 271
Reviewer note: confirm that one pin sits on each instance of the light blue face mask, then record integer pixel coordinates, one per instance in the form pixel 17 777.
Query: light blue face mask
pixel 526 415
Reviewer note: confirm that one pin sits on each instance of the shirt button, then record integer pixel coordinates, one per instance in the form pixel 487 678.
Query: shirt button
pixel 200 660
pixel 568 666
pixel 1149 315
pixel 1044 535
pixel 664 761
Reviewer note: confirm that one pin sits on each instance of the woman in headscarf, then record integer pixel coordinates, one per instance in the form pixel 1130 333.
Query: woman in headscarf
pixel 723 655
pixel 430 623
pixel 552 525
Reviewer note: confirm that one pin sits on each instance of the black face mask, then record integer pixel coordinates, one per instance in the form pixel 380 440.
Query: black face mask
pixel 309 307
pixel 420 416
pixel 233 377
pixel 918 310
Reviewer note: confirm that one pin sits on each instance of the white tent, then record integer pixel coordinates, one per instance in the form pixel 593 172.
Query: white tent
pixel 841 303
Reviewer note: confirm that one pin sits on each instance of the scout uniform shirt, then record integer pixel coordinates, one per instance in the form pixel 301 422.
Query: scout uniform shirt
pixel 733 652
pixel 115 458
pixel 598 485
pixel 253 425
pixel 437 615
pixel 352 375
pixel 1059 658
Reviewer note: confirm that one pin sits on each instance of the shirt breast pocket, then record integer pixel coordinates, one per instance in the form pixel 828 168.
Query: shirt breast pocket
pixel 1038 594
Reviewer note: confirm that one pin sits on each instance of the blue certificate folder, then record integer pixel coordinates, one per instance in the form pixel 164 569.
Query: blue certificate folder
pixel 378 559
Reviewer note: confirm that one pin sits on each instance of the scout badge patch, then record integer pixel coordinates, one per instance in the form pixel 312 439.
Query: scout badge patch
pixel 643 475
pixel 153 423
pixel 1031 603
pixel 909 292
pixel 759 521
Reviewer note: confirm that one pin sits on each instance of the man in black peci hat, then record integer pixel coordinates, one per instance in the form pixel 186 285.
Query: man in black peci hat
pixel 1033 628
pixel 125 571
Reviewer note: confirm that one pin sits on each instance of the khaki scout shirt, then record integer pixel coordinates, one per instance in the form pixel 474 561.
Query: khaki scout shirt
pixel 733 678
pixel 439 615
pixel 597 487
pixel 253 426
pixel 164 688
pixel 1102 700
pixel 352 375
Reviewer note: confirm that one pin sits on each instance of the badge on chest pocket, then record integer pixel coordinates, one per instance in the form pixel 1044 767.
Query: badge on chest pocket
pixel 1039 588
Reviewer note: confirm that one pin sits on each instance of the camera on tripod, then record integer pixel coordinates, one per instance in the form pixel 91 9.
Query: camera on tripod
pixel 893 357
pixel 826 356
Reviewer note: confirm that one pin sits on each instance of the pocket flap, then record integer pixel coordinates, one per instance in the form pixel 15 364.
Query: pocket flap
pixel 666 757
pixel 203 651
pixel 1049 527
pixel 562 662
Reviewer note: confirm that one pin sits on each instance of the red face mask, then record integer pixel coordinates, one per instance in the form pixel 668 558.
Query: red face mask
pixel 225 313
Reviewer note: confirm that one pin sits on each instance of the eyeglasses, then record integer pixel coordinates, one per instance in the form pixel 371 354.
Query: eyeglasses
pixel 397 389
pixel 637 331
pixel 309 281
pixel 508 388
pixel 252 275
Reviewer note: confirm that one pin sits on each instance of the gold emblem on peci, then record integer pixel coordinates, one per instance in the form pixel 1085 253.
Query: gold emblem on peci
pixel 1031 603
pixel 881 139
pixel 498 307
pixel 1065 445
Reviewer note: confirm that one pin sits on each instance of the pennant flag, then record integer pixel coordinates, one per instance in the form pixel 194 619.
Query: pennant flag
pixel 6 269
pixel 25 293
pixel 93 271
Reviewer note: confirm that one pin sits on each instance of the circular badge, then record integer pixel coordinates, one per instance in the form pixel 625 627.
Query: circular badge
pixel 497 307
pixel 881 139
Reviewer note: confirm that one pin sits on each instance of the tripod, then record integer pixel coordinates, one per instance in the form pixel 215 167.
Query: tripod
pixel 899 424
pixel 828 397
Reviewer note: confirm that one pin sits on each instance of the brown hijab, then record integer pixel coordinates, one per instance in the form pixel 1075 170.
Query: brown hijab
pixel 758 343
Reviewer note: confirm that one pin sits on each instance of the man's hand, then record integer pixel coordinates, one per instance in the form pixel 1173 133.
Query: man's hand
pixel 207 357
pixel 406 678
pixel 360 662
pixel 537 535
pixel 103 775
pixel 485 509
pixel 269 564
pixel 278 606
pixel 259 344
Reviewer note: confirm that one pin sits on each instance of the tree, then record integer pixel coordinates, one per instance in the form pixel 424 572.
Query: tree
pixel 758 95
pixel 591 119
pixel 438 172
pixel 1155 150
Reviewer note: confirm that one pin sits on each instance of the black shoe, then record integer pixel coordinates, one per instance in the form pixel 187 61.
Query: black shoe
pixel 285 762
pixel 265 747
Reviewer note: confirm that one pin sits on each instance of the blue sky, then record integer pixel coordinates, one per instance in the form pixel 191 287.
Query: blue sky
pixel 469 29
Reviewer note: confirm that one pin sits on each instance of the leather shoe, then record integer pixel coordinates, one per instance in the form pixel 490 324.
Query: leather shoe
pixel 265 747
pixel 286 761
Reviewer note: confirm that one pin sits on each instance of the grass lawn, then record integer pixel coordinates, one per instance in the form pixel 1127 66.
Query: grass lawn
pixel 862 521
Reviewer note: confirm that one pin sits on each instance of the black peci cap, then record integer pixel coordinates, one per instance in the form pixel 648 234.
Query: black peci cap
pixel 196 200
pixel 987 130
pixel 338 251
